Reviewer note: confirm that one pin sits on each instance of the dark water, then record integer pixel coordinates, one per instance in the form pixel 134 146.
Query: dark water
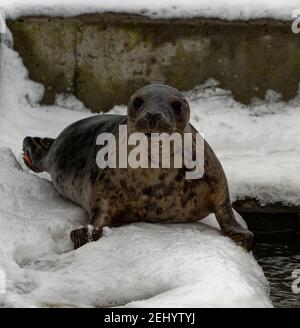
pixel 279 256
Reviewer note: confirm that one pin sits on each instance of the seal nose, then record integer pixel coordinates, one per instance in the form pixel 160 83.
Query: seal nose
pixel 153 118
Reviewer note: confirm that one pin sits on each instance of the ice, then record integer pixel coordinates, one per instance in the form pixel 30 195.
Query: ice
pixel 134 265
pixel 223 9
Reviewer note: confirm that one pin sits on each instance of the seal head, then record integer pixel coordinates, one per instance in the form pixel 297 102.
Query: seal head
pixel 158 108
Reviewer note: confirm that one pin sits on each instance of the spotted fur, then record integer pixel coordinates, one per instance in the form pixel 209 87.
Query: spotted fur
pixel 120 196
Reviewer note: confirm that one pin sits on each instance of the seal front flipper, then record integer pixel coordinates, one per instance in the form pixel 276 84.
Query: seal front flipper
pixel 93 231
pixel 84 235
pixel 35 153
pixel 231 228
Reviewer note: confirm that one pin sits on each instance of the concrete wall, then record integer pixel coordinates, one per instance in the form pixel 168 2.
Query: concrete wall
pixel 104 58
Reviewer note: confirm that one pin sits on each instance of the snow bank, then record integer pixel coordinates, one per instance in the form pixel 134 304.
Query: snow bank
pixel 135 265
pixel 258 145
pixel 223 9
pixel 154 265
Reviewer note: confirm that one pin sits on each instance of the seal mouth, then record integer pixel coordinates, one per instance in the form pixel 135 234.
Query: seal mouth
pixel 28 161
pixel 149 132
pixel 146 127
pixel 27 158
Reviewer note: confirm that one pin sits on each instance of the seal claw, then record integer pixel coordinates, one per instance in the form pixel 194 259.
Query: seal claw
pixel 83 235
pixel 241 238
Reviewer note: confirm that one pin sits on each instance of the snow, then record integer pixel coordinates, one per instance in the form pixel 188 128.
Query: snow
pixel 157 265
pixel 137 265
pixel 258 145
pixel 153 265
pixel 223 9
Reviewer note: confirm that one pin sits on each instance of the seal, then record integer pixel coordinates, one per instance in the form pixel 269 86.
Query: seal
pixel 116 196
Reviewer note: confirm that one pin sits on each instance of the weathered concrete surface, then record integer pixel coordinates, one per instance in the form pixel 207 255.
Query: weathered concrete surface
pixel 269 218
pixel 252 205
pixel 104 58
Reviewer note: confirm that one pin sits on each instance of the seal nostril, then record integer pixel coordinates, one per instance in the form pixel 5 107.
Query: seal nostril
pixel 137 103
pixel 177 106
pixel 157 116
pixel 153 117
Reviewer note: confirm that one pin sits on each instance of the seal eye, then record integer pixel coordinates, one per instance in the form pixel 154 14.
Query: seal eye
pixel 137 103
pixel 177 107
